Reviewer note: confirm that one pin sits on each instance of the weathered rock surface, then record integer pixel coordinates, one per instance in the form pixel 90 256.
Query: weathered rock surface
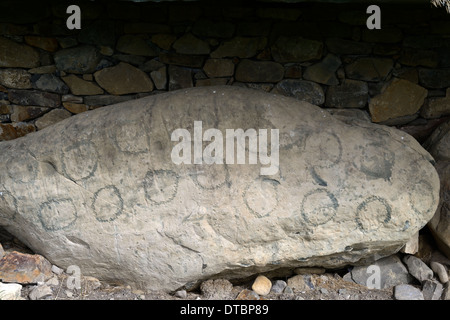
pixel 439 147
pixel 123 211
pixel 392 273
pixel 417 268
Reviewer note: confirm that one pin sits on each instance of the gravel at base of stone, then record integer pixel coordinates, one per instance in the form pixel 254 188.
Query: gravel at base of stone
pixel 407 292
pixel 296 284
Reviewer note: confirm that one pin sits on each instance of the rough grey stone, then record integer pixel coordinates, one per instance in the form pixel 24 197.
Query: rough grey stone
pixel 324 72
pixel 10 291
pixel 34 98
pixel 301 90
pixel 179 78
pixel 407 292
pixel 103 100
pixel 279 286
pixel 123 79
pixel 398 99
pixel 123 203
pixel 392 272
pixel 417 57
pixel 159 78
pixel 432 290
pixel 387 34
pixel 26 113
pixel 349 94
pixel 350 115
pixel 40 292
pixel 50 83
pixel 440 270
pixel 417 268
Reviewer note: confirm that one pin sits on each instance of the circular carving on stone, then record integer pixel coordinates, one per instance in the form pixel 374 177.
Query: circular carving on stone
pixel 325 148
pixel 210 176
pixel 261 196
pixel 23 171
pixel 131 138
pixel 421 197
pixel 79 161
pixel 161 186
pixel 318 207
pixel 377 161
pixel 372 213
pixel 57 214
pixel 107 204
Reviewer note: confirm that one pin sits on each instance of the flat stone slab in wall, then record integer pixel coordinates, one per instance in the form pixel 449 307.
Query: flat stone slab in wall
pixel 100 190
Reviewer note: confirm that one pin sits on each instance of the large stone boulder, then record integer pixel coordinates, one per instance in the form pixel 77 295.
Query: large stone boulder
pixel 439 146
pixel 102 190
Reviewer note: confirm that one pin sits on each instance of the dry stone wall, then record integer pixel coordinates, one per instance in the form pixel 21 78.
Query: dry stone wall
pixel 320 53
